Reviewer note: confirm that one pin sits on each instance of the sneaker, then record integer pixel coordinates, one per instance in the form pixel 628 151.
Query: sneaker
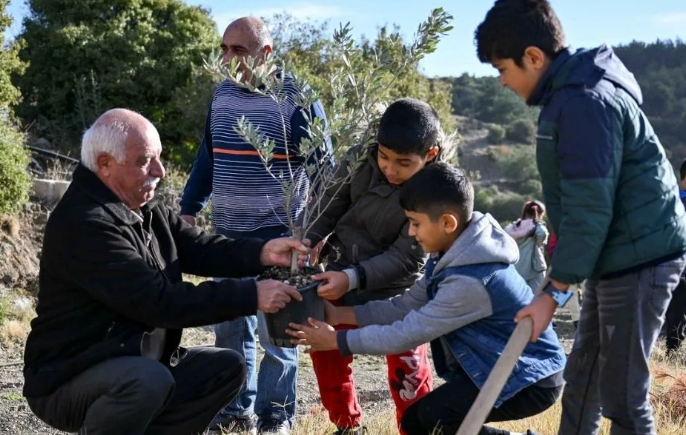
pixel 360 430
pixel 271 426
pixel 232 424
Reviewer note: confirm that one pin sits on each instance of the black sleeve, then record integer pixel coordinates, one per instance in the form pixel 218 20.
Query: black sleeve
pixel 104 263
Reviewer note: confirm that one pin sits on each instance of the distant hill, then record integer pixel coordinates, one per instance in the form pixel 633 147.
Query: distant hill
pixel 659 67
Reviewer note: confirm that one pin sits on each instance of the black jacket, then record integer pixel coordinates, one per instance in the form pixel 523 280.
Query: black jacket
pixel 365 215
pixel 102 287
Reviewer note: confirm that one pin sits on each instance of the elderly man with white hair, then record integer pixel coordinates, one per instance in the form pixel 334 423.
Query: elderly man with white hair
pixel 103 355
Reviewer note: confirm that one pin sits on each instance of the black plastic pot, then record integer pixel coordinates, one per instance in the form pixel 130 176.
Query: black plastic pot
pixel 297 312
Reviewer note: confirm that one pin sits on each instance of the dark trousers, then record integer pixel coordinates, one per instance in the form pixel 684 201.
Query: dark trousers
pixel 139 396
pixel 675 320
pixel 442 411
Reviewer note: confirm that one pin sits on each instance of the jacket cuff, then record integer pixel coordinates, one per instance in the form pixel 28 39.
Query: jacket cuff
pixel 352 279
pixel 190 209
pixel 342 340
pixel 252 255
pixel 242 296
pixel 564 278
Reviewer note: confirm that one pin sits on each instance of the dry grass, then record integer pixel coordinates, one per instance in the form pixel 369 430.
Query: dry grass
pixel 668 398
pixel 17 310
pixel 13 331
pixel 668 392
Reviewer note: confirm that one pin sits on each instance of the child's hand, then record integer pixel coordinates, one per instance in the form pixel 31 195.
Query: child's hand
pixel 335 287
pixel 314 253
pixel 319 336
pixel 541 311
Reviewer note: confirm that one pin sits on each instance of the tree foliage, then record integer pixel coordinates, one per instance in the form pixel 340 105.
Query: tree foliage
pixel 15 181
pixel 485 99
pixel 9 63
pixel 522 130
pixel 660 69
pixel 358 87
pixel 313 53
pixel 88 56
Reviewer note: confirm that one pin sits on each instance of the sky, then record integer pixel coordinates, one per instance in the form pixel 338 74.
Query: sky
pixel 587 23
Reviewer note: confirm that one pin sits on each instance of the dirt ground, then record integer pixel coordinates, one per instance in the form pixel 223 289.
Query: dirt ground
pixel 18 269
pixel 370 376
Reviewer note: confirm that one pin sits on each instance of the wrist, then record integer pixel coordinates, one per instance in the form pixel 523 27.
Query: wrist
pixel 555 296
pixel 352 278
pixel 559 285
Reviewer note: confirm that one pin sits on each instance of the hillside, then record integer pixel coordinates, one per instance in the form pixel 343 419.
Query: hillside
pixel 497 127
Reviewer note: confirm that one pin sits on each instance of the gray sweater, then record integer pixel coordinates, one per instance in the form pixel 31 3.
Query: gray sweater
pixel 409 320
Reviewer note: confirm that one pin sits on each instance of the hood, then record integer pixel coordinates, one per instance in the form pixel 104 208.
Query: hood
pixel 585 67
pixel 483 241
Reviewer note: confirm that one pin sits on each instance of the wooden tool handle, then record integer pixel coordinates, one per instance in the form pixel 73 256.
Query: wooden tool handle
pixel 496 380
pixel 482 406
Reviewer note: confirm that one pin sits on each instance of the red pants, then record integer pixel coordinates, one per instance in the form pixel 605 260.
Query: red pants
pixel 409 379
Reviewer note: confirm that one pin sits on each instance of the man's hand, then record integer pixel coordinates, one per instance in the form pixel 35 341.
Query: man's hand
pixel 335 287
pixel 319 336
pixel 277 252
pixel 274 295
pixel 190 220
pixel 541 311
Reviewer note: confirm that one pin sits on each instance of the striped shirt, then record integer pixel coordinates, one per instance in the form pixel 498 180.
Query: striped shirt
pixel 245 195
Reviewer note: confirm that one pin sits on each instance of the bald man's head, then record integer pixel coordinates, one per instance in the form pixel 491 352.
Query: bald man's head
pixel 246 37
pixel 123 149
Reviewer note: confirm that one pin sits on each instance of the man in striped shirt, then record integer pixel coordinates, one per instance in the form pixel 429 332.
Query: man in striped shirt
pixel 247 201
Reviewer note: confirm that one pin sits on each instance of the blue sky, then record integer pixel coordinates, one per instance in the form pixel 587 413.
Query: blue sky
pixel 586 22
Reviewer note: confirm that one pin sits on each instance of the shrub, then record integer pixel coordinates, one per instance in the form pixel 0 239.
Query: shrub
pixel 496 134
pixel 15 182
pixel 521 131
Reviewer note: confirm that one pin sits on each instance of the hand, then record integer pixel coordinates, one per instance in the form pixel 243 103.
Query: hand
pixel 190 220
pixel 335 287
pixel 319 336
pixel 314 254
pixel 274 295
pixel 559 285
pixel 277 252
pixel 541 311
pixel 331 314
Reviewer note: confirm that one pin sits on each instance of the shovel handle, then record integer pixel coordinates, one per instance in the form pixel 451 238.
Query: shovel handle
pixel 482 406
pixel 496 380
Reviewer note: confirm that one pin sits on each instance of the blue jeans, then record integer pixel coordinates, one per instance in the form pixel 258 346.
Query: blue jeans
pixel 271 392
pixel 607 372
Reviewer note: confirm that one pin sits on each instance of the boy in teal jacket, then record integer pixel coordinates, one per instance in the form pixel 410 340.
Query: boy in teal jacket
pixel 612 198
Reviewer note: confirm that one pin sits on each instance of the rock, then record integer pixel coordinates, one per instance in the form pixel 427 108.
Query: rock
pixel 49 191
pixel 42 142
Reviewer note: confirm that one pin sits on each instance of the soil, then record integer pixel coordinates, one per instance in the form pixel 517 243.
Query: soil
pixel 298 280
pixel 20 252
pixel 370 379
pixel 21 239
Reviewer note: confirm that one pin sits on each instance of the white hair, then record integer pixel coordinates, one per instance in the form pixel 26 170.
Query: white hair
pixel 104 137
pixel 109 134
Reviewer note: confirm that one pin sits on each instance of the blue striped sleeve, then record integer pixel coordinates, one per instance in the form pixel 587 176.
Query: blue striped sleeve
pixel 199 185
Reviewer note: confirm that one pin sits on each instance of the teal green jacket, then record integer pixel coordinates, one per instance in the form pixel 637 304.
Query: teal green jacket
pixel 610 192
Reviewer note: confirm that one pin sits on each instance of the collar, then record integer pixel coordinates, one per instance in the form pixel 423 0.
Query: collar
pixel 547 81
pixel 89 183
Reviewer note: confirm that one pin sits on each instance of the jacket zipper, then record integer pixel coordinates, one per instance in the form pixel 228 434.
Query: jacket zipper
pixel 175 357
